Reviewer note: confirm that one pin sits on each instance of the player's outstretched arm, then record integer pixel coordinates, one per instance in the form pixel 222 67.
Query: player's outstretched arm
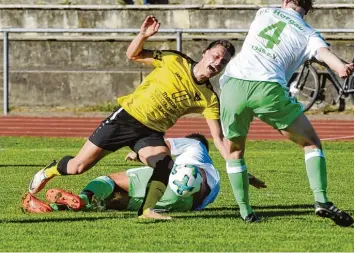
pixel 343 69
pixel 135 50
pixel 217 135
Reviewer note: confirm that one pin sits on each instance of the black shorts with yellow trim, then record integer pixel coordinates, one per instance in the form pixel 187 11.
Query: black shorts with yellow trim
pixel 120 129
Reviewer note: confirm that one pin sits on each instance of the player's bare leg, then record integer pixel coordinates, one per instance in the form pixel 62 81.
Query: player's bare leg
pixel 302 133
pixel 87 157
pixel 239 178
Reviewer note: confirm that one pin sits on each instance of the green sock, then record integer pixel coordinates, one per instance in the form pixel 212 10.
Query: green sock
pixel 85 198
pixel 101 187
pixel 58 207
pixel 317 174
pixel 238 177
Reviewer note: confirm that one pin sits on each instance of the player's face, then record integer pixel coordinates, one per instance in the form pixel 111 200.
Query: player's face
pixel 214 60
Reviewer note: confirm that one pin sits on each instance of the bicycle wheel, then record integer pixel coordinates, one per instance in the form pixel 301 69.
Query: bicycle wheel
pixel 351 87
pixel 305 88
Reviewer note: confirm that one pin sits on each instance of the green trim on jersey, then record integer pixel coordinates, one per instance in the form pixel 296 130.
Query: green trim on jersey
pixel 242 100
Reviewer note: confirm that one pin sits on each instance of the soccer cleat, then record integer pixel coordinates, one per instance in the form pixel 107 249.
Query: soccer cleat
pixel 251 218
pixel 62 197
pixel 329 210
pixel 33 205
pixel 151 214
pixel 40 179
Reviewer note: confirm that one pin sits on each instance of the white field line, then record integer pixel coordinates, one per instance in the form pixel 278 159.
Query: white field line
pixel 337 138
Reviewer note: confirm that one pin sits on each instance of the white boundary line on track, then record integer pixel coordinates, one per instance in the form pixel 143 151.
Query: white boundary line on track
pixel 337 138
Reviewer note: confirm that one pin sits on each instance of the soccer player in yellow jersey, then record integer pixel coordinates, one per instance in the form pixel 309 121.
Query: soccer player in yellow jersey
pixel 177 86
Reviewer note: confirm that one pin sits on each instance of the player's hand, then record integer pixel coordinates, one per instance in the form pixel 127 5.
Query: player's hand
pixel 257 183
pixel 150 26
pixel 347 70
pixel 131 156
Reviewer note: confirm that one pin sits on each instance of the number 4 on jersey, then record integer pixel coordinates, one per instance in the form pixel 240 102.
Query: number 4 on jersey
pixel 273 39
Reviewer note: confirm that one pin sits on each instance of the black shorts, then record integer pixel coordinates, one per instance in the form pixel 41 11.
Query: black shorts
pixel 120 129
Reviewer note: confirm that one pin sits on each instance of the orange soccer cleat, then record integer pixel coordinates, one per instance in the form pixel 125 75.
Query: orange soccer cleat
pixel 33 205
pixel 62 197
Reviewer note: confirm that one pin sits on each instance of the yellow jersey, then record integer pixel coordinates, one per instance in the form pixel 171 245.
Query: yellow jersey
pixel 169 92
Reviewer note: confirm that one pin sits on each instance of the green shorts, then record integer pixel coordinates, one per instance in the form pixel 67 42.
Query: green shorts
pixel 138 180
pixel 241 100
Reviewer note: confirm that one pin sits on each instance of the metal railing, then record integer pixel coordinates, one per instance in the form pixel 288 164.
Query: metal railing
pixel 178 32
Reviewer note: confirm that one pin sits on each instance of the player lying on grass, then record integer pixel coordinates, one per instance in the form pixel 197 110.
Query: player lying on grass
pixel 125 190
pixel 177 86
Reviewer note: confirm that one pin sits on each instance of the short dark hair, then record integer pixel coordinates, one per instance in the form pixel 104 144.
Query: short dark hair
pixel 307 5
pixel 225 43
pixel 199 137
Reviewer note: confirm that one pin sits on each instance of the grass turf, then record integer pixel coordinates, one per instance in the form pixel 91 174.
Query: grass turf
pixel 289 223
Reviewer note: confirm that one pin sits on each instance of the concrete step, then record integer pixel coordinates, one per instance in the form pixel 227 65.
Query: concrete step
pixel 174 2
pixel 77 55
pixel 68 89
pixel 325 16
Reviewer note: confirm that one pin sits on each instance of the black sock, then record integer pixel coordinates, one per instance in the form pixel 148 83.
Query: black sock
pixel 62 164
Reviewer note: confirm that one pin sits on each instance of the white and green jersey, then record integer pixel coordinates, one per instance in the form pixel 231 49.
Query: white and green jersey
pixel 191 151
pixel 278 42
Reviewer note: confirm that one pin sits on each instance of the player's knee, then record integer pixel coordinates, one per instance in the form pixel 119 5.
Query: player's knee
pixel 235 155
pixel 312 142
pixel 162 165
pixel 316 142
pixel 121 179
pixel 235 148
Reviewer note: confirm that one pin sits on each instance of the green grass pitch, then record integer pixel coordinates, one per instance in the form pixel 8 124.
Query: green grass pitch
pixel 289 223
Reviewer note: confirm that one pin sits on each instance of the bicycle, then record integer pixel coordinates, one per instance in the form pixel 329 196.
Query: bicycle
pixel 305 85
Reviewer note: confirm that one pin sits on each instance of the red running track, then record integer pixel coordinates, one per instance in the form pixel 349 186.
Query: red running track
pixel 84 126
